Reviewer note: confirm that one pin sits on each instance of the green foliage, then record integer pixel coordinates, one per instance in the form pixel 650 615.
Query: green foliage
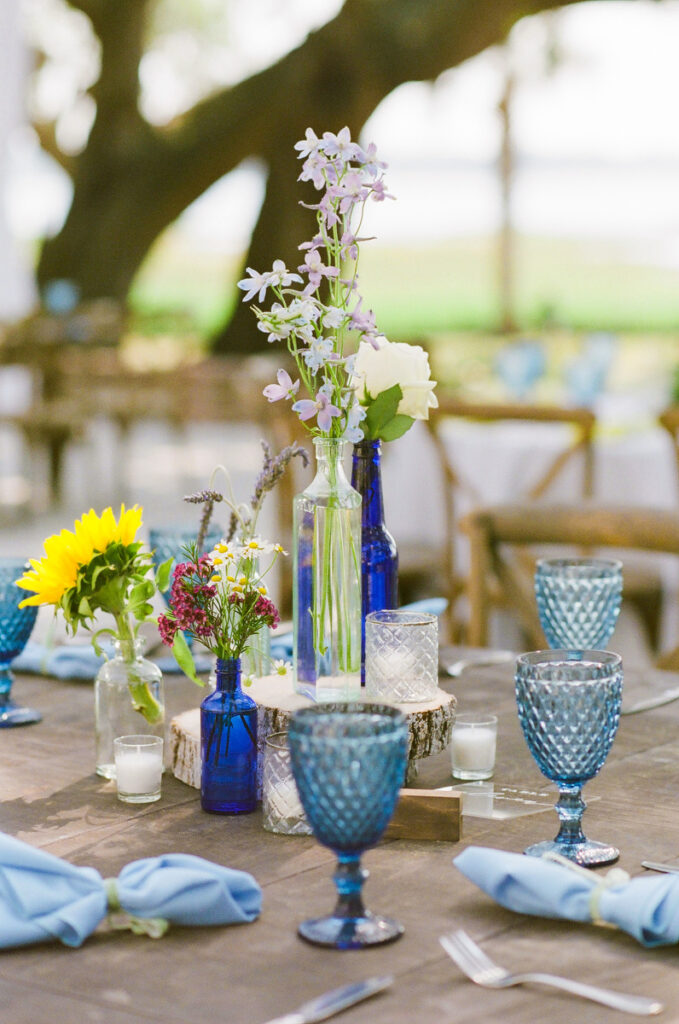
pixel 382 421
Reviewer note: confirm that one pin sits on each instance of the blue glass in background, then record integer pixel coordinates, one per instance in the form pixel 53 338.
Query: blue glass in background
pixel 569 710
pixel 16 625
pixel 171 541
pixel 379 557
pixel 228 744
pixel 349 762
pixel 578 600
pixel 520 366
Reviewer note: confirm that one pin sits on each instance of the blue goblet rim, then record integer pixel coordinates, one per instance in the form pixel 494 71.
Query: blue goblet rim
pixel 578 568
pixel 553 661
pixel 179 532
pixel 333 722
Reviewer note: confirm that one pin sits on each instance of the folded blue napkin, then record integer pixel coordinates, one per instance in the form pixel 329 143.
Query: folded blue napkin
pixel 43 897
pixel 281 645
pixel 79 661
pixel 646 907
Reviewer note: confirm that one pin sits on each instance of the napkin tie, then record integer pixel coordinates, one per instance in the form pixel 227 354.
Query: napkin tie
pixel 616 876
pixel 119 919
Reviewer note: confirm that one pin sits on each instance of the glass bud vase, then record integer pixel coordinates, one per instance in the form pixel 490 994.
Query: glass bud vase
pixel 379 557
pixel 114 712
pixel 228 744
pixel 326 580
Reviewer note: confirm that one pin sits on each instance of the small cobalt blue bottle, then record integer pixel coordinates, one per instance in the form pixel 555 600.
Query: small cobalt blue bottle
pixel 228 744
pixel 379 557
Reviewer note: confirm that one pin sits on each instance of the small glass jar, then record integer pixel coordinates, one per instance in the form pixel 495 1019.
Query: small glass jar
pixel 401 656
pixel 282 810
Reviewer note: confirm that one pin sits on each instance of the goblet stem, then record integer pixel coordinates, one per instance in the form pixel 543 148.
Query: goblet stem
pixel 349 877
pixel 6 680
pixel 570 807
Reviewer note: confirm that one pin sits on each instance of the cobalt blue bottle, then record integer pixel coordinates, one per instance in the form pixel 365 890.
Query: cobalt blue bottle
pixel 379 557
pixel 228 744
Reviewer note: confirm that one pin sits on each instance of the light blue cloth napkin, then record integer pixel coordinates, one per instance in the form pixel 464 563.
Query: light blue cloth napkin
pixel 43 897
pixel 281 646
pixel 647 907
pixel 78 661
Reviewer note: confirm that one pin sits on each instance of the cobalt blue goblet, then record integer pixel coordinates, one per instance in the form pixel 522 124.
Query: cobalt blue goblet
pixel 569 709
pixel 349 761
pixel 578 600
pixel 16 625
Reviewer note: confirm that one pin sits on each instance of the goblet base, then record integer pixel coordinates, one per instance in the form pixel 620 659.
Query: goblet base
pixel 588 854
pixel 350 932
pixel 12 714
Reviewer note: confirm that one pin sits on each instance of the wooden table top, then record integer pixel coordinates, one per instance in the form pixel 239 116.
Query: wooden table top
pixel 247 974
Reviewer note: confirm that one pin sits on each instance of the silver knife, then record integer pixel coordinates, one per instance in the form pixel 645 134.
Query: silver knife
pixel 333 1002
pixel 652 865
pixel 652 702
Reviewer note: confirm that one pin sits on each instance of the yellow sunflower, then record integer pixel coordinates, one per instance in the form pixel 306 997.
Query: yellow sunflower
pixel 56 572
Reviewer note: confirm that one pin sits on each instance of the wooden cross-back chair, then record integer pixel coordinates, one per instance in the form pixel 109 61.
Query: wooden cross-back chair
pixel 497 533
pixel 577 446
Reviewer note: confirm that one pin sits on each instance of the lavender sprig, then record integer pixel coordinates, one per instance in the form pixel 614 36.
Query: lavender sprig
pixel 209 499
pixel 273 469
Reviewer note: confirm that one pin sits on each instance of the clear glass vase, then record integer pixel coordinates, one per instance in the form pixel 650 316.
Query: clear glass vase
pixel 379 557
pixel 115 688
pixel 326 593
pixel 228 744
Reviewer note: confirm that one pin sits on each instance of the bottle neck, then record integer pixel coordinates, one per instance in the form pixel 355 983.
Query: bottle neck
pixel 366 477
pixel 228 674
pixel 329 454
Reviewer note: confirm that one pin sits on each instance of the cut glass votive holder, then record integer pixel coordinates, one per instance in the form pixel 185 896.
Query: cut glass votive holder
pixel 401 656
pixel 139 768
pixel 473 746
pixel 282 810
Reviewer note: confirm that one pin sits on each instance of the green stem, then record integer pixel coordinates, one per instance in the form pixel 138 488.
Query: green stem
pixel 143 700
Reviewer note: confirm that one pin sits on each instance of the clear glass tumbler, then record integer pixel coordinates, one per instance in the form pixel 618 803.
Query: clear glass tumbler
pixel 578 600
pixel 401 656
pixel 282 810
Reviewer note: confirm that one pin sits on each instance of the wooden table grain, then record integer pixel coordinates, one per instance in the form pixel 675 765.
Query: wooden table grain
pixel 249 973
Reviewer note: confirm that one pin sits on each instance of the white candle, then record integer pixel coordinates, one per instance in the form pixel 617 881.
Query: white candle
pixel 139 771
pixel 474 748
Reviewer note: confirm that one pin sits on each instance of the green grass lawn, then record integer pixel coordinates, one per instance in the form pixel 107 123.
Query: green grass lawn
pixel 446 287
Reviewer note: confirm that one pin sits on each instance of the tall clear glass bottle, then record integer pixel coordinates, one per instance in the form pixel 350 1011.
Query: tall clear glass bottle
pixel 326 590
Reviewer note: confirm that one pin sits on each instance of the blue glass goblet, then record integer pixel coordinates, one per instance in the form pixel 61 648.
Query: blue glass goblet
pixel 349 761
pixel 578 600
pixel 16 625
pixel 569 709
pixel 171 542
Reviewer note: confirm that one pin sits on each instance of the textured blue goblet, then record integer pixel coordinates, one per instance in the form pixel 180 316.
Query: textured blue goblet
pixel 578 600
pixel 171 542
pixel 569 709
pixel 16 625
pixel 349 762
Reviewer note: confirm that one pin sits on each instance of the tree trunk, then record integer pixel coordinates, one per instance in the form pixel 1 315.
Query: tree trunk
pixel 133 180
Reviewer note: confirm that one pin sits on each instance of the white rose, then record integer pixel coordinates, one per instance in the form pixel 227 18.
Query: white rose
pixel 395 362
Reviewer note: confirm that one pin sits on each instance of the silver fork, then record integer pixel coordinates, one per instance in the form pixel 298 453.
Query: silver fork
pixel 480 969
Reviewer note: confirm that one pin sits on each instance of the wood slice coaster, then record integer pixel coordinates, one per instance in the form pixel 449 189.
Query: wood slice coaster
pixel 430 725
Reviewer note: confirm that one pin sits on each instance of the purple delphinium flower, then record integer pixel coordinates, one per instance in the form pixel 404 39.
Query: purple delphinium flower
pixel 284 389
pixel 313 266
pixel 322 409
pixel 340 145
pixel 352 431
pixel 320 352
